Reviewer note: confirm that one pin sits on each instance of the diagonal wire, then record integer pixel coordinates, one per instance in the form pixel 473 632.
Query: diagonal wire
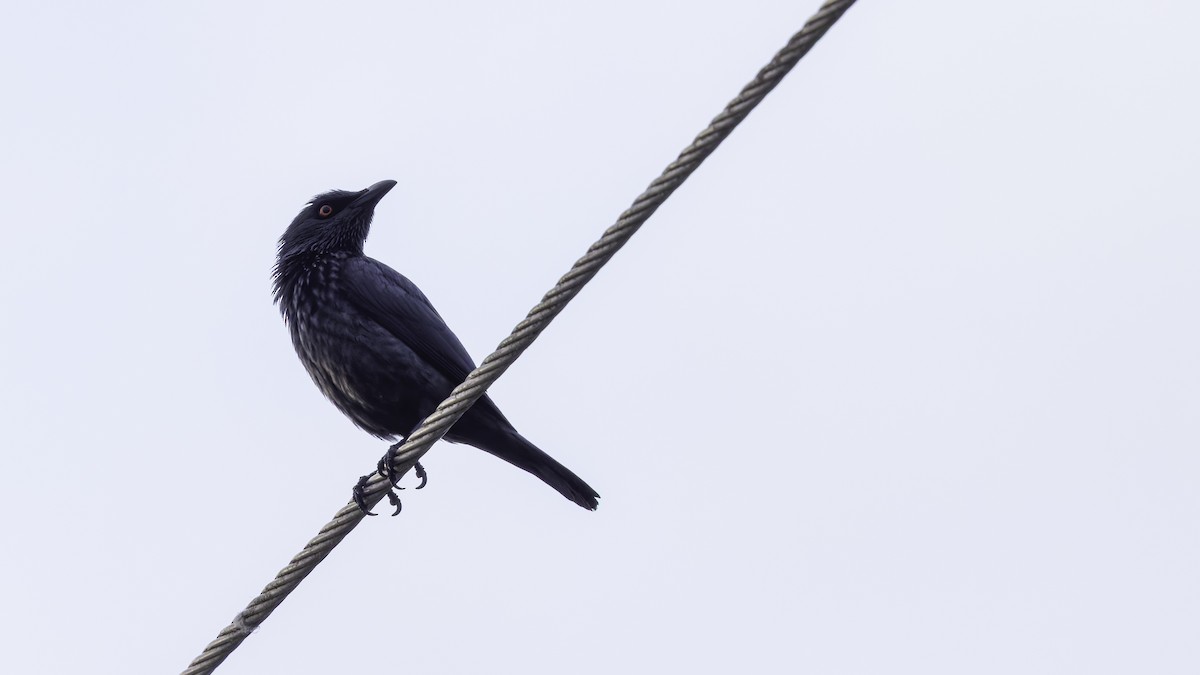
pixel 463 396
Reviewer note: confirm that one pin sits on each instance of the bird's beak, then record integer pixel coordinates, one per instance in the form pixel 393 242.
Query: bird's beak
pixel 371 196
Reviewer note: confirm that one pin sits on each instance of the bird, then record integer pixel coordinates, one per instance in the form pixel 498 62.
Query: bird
pixel 376 347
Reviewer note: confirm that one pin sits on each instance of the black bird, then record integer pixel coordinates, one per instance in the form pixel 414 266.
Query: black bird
pixel 374 344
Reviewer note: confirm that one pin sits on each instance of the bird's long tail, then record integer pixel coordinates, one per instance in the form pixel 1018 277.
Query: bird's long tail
pixel 513 448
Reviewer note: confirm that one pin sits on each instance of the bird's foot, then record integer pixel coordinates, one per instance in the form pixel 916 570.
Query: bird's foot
pixel 387 465
pixel 387 468
pixel 360 495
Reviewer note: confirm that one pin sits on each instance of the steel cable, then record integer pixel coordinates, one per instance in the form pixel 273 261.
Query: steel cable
pixel 463 396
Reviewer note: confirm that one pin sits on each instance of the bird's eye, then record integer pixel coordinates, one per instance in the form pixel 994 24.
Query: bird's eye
pixel 325 211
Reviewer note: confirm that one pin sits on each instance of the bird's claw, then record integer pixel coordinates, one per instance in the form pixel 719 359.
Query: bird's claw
pixel 387 468
pixel 387 465
pixel 360 495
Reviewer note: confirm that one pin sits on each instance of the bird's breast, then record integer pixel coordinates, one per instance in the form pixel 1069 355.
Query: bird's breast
pixel 372 377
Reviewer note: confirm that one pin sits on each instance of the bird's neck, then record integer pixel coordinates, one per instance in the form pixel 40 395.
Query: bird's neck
pixel 292 268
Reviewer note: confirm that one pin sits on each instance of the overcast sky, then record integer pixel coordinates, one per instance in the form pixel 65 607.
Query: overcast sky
pixel 904 380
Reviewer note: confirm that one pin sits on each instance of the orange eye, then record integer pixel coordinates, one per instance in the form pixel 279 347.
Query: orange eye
pixel 325 211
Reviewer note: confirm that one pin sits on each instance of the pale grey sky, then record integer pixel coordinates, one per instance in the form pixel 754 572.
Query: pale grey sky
pixel 903 380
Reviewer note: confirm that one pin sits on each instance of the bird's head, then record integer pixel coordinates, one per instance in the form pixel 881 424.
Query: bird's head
pixel 333 222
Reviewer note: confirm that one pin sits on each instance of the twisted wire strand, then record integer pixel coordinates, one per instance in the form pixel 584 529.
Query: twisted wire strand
pixel 465 394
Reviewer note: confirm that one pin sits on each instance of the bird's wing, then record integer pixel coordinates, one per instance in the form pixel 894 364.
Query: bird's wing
pixel 395 303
